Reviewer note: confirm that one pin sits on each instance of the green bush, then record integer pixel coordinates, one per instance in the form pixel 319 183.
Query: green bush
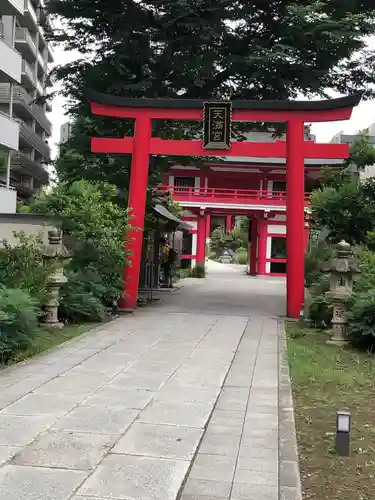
pixel 81 298
pixel 320 311
pixel 241 256
pixel 199 271
pixel 362 320
pixel 318 254
pixel 365 280
pixel 18 322
pixel 22 266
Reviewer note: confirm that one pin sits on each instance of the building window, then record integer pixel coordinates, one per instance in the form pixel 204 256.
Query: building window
pixel 183 183
pixel 278 247
pixel 279 186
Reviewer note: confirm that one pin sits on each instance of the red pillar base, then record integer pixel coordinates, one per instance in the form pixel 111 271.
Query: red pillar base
pixel 201 239
pixel 262 246
pixel 253 247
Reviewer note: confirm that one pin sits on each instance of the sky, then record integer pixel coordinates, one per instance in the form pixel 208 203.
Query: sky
pixel 363 115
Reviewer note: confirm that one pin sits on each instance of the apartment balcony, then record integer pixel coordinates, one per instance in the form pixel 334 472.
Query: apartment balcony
pixel 24 107
pixel 25 43
pixel 12 7
pixel 8 200
pixel 29 138
pixel 10 62
pixel 27 76
pixel 229 198
pixel 30 19
pixel 9 132
pixel 24 164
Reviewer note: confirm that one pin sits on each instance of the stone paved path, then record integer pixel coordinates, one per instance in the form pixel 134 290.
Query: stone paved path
pixel 176 401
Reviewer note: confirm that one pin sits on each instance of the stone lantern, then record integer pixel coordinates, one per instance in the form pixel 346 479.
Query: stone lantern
pixel 55 253
pixel 342 269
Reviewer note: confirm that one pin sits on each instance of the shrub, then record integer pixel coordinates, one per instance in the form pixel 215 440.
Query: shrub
pixel 318 254
pixel 241 256
pixel 199 271
pixel 81 298
pixel 22 266
pixel 320 311
pixel 366 280
pixel 18 322
pixel 362 324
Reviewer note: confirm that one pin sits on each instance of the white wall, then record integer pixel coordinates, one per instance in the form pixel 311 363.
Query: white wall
pixel 8 201
pixel 10 61
pixel 9 132
pixel 30 224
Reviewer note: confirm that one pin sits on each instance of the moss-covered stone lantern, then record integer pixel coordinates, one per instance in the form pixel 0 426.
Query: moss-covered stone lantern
pixel 342 268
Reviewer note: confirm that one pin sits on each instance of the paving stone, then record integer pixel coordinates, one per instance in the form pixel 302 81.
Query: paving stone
pixel 200 497
pixel 42 404
pixel 265 464
pixel 290 493
pixel 67 385
pixel 255 477
pixel 253 492
pixel 213 468
pixel 202 487
pixel 176 393
pixel 233 398
pixel 289 474
pixel 218 443
pixel 148 381
pixel 21 430
pixel 117 396
pixel 8 452
pixel 159 441
pixel 144 366
pixel 136 478
pixel 180 414
pixel 235 431
pixel 97 419
pixel 66 450
pixel 37 483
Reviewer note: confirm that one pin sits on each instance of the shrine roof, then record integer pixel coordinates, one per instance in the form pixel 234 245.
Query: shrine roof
pixel 143 102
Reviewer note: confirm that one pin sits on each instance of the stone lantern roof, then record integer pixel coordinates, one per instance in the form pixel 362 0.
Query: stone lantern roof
pixel 343 263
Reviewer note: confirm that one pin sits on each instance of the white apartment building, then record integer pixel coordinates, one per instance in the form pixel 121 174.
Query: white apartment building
pixel 341 138
pixel 24 58
pixel 65 132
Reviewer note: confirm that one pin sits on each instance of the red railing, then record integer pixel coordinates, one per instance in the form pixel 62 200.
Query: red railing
pixel 222 195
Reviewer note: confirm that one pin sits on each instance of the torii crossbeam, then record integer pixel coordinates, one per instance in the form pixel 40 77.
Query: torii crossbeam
pixel 295 149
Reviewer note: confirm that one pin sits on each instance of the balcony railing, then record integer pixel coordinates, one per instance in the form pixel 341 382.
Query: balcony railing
pixel 29 9
pixel 26 69
pixel 21 96
pixel 23 35
pixel 23 162
pixel 28 134
pixel 225 196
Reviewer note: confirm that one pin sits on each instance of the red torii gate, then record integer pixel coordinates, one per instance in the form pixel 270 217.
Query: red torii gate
pixel 295 149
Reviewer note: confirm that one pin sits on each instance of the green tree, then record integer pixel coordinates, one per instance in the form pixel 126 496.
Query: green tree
pixel 202 49
pixel 345 205
pixel 94 225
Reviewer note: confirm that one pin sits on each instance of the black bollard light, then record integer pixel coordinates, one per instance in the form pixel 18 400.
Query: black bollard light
pixel 342 433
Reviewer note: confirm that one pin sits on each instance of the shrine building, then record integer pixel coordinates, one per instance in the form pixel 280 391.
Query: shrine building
pixel 234 186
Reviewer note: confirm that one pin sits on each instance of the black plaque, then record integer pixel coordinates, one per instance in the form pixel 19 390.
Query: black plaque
pixel 217 120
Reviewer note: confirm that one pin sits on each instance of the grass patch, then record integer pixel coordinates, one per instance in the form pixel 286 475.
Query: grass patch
pixel 326 379
pixel 49 338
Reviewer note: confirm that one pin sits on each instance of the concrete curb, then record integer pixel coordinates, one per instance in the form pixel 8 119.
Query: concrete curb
pixel 289 475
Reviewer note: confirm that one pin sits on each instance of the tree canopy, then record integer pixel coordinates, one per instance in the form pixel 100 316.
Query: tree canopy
pixel 203 49
pixel 345 205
